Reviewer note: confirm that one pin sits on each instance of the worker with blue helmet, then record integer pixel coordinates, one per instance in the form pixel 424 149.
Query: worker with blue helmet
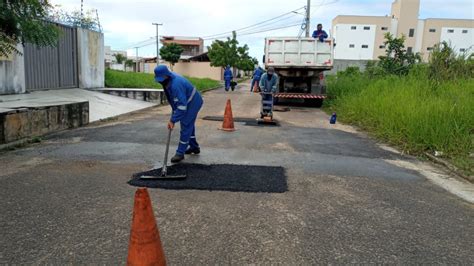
pixel 185 102
pixel 227 77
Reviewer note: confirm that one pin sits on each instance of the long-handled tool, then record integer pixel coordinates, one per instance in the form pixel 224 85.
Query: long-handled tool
pixel 164 170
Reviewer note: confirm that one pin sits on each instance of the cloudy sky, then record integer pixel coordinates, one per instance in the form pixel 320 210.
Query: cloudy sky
pixel 127 24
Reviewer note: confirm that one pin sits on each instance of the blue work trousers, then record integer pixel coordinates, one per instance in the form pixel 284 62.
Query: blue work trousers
pixel 188 130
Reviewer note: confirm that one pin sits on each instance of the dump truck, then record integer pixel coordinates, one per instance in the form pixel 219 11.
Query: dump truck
pixel 300 64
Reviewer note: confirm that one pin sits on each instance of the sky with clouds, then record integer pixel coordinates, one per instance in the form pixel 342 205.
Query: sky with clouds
pixel 127 24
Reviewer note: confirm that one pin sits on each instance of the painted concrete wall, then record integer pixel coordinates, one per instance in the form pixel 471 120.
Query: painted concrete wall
pixel 346 37
pixel 91 59
pixel 340 65
pixel 191 69
pixel 12 73
pixel 459 38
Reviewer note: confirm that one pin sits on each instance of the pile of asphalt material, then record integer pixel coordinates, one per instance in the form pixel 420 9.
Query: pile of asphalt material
pixel 224 177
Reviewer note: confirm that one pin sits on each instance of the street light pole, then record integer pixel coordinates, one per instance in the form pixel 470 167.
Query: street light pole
pixel 308 8
pixel 136 57
pixel 157 43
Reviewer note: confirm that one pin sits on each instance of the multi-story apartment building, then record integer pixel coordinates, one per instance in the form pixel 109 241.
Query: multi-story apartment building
pixel 362 37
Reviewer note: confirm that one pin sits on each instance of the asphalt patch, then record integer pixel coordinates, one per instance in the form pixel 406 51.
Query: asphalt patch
pixel 261 123
pixel 236 119
pixel 281 109
pixel 218 177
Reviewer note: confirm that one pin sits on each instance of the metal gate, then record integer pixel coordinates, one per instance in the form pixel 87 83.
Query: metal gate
pixel 53 67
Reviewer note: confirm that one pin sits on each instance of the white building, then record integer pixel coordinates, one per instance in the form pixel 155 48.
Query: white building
pixel 362 37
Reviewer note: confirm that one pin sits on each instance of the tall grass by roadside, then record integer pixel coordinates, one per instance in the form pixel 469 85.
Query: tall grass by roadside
pixel 121 79
pixel 414 112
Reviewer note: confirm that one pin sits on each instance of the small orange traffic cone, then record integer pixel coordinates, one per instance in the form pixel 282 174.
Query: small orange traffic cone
pixel 145 244
pixel 228 124
pixel 256 88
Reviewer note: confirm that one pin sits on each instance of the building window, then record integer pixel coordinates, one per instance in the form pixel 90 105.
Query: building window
pixel 366 28
pixel 353 28
pixel 384 28
pixel 365 46
pixel 432 30
pixel 462 50
pixel 450 31
pixel 411 33
pixel 464 31
pixel 382 46
pixel 429 48
pixel 351 46
pixel 409 50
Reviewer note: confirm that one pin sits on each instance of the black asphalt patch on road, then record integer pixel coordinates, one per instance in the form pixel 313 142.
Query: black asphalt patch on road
pixel 247 121
pixel 221 177
pixel 236 119
pixel 261 123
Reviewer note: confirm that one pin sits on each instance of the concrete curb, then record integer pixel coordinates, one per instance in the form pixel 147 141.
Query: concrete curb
pixel 451 167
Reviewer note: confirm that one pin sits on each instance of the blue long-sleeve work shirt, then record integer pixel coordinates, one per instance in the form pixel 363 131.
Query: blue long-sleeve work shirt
pixel 320 34
pixel 179 92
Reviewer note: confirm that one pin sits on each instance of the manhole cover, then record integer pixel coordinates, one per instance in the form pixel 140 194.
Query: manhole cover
pixel 224 177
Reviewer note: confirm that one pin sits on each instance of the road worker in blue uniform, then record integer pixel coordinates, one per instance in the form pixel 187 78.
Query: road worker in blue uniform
pixel 227 77
pixel 185 101
pixel 320 33
pixel 269 86
pixel 257 74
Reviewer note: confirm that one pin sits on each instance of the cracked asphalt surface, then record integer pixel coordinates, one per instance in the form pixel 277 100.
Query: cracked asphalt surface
pixel 66 200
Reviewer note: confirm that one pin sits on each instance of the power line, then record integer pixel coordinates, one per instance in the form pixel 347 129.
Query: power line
pixel 259 31
pixel 253 25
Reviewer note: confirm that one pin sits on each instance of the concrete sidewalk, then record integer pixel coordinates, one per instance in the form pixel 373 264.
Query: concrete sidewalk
pixel 101 105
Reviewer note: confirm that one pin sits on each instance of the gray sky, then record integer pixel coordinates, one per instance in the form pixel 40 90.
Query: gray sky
pixel 127 24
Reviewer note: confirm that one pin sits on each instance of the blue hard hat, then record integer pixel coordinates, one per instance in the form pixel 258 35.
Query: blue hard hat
pixel 161 72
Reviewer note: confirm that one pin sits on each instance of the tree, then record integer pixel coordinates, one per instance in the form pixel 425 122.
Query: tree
pixel 223 53
pixel 397 60
pixel 171 53
pixel 120 58
pixel 129 63
pixel 23 21
pixel 89 20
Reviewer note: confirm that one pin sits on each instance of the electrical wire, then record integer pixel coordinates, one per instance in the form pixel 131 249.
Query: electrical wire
pixel 253 25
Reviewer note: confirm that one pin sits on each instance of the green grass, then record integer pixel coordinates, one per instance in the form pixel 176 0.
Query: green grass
pixel 411 112
pixel 121 79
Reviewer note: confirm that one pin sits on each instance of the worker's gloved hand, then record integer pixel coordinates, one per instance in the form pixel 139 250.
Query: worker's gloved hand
pixel 170 125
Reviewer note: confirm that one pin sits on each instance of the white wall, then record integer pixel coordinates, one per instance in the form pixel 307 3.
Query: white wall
pixel 457 39
pixel 420 29
pixel 345 36
pixel 12 73
pixel 90 45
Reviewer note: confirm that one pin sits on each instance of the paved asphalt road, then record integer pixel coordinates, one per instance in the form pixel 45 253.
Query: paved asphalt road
pixel 66 200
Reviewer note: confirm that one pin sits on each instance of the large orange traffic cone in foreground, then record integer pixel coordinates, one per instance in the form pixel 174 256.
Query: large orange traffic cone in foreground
pixel 228 124
pixel 145 244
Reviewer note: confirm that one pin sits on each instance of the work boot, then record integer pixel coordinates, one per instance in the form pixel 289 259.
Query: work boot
pixel 193 151
pixel 177 158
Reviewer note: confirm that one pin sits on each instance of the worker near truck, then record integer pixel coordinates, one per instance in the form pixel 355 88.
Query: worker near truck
pixel 269 86
pixel 319 33
pixel 185 102
pixel 227 77
pixel 257 74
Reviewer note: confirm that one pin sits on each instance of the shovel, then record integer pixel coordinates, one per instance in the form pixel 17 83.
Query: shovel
pixel 164 174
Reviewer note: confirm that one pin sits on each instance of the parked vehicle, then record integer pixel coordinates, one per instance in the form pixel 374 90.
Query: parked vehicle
pixel 300 64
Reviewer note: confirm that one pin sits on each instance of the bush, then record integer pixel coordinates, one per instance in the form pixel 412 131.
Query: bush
pixel 412 112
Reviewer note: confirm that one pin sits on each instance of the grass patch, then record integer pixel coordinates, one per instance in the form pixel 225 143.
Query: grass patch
pixel 121 79
pixel 412 112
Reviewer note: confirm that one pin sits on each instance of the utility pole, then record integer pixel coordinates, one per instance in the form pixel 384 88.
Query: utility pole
pixel 157 43
pixel 308 8
pixel 136 57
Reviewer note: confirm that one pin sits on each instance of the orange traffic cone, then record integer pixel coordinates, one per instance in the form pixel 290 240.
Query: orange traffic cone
pixel 145 244
pixel 256 88
pixel 228 124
